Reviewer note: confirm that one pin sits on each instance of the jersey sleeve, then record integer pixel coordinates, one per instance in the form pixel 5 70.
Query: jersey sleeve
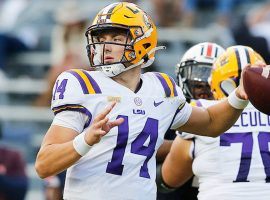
pixel 168 84
pixel 171 90
pixel 72 120
pixel 183 112
pixel 69 92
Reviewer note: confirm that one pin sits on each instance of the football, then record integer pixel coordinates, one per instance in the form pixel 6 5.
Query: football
pixel 256 82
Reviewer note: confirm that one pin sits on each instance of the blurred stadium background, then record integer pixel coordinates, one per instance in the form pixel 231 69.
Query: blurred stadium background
pixel 23 73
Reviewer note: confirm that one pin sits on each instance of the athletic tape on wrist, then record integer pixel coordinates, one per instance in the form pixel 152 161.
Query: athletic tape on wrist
pixel 80 144
pixel 236 102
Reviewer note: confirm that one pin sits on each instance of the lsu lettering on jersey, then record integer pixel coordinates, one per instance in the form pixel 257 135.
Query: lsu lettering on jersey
pixel 122 165
pixel 236 165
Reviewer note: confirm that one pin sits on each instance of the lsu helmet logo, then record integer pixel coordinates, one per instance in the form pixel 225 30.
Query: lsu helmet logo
pixel 224 59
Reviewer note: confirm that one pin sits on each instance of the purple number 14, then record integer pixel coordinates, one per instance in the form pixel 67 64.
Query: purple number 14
pixel 247 145
pixel 60 88
pixel 150 131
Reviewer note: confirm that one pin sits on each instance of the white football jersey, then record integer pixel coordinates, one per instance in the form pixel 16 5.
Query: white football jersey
pixel 122 165
pixel 236 165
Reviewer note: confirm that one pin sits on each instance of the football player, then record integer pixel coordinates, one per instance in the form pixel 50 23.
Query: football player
pixel 110 152
pixel 235 165
pixel 192 72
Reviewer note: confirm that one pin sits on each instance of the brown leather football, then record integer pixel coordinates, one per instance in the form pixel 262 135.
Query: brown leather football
pixel 257 86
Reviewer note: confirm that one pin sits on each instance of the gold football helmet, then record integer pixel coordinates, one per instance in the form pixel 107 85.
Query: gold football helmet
pixel 140 29
pixel 227 69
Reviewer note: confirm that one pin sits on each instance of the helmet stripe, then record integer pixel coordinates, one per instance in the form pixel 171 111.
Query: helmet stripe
pixel 247 55
pixel 202 50
pixel 216 52
pixel 241 62
pixel 209 50
pixel 106 13
pixel 243 57
pixel 238 59
pixel 111 11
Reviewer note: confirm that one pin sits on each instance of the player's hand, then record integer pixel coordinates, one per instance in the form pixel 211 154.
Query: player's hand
pixel 240 91
pixel 101 126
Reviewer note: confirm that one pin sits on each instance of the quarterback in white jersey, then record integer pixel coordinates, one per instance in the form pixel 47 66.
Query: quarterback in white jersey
pixel 126 156
pixel 110 152
pixel 235 165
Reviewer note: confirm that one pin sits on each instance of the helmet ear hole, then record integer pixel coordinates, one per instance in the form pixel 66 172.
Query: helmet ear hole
pixel 227 86
pixel 146 45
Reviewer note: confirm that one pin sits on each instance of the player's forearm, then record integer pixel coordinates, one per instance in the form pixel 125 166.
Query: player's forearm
pixel 212 121
pixel 174 176
pixel 177 167
pixel 55 158
pixel 222 117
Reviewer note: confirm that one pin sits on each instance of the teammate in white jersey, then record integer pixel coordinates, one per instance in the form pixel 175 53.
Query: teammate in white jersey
pixel 235 165
pixel 110 153
pixel 192 72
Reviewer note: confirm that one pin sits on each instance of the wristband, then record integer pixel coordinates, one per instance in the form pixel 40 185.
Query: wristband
pixel 80 144
pixel 236 102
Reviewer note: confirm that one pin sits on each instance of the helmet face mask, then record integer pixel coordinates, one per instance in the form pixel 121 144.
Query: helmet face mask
pixel 97 47
pixel 194 77
pixel 194 70
pixel 140 46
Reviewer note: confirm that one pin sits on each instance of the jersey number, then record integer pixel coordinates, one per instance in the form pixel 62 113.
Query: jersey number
pixel 150 131
pixel 247 145
pixel 60 88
